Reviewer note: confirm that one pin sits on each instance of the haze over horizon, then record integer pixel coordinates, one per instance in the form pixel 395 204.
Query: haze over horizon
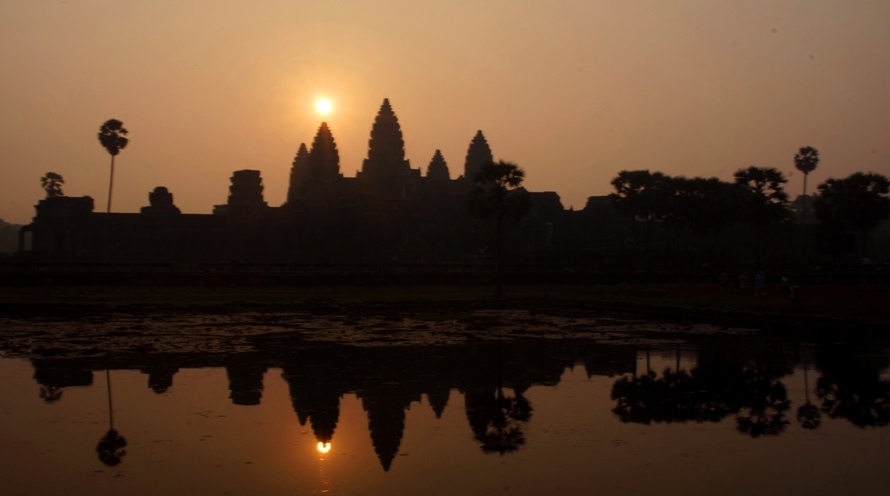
pixel 573 91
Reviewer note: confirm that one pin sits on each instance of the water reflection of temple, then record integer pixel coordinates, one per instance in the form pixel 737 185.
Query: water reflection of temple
pixel 719 377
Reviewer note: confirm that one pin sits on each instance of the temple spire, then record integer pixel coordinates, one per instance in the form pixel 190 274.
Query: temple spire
pixel 298 171
pixel 438 168
pixel 386 174
pixel 478 154
pixel 324 159
pixel 386 147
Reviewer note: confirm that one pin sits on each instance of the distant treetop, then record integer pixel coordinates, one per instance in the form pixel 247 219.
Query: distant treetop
pixel 52 184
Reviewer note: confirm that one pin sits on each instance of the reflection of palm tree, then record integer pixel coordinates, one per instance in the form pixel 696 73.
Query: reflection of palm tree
pixel 496 420
pixel 808 415
pixel 765 401
pixel 50 394
pixel 850 386
pixel 765 413
pixel 111 447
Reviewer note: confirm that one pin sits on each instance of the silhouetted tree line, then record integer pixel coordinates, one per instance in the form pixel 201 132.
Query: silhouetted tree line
pixel 757 202
pixel 726 383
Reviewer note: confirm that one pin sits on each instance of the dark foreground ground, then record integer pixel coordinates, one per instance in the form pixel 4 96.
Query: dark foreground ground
pixel 133 320
pixel 842 304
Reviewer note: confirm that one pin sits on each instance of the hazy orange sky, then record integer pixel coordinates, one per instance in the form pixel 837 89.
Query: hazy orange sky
pixel 571 90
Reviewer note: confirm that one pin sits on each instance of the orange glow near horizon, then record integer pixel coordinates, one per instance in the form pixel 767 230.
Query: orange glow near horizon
pixel 605 87
pixel 323 447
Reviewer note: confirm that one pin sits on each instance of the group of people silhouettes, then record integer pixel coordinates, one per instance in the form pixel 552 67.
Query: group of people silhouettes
pixel 742 280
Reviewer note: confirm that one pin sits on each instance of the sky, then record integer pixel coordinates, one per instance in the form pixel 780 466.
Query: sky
pixel 573 91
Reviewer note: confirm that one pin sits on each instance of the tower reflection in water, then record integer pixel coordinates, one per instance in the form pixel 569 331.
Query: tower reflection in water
pixel 719 377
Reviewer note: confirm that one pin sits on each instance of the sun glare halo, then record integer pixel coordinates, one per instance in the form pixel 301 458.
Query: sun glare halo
pixel 323 106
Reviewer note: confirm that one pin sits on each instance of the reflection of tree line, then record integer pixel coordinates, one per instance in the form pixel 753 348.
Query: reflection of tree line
pixel 731 380
pixel 733 376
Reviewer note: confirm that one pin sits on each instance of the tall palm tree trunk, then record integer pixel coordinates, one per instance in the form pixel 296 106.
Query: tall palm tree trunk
pixel 806 204
pixel 110 409
pixel 110 184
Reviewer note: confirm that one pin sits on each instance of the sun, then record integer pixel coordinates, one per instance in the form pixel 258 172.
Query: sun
pixel 323 106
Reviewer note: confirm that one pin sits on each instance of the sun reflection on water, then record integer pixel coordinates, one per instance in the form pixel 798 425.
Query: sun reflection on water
pixel 323 477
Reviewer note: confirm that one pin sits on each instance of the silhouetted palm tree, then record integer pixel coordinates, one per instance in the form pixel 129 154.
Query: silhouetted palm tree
pixel 52 184
pixel 806 160
pixel 112 137
pixel 497 193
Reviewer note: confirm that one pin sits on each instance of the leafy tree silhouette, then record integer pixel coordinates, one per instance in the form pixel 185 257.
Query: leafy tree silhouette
pixel 857 203
pixel 765 202
pixel 767 402
pixel 763 397
pixel 496 419
pixel 52 184
pixel 112 137
pixel 640 194
pixel 706 394
pixel 805 160
pixel 850 386
pixel 497 193
pixel 704 205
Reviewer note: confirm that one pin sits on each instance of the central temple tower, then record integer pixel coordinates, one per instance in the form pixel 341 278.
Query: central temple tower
pixel 386 173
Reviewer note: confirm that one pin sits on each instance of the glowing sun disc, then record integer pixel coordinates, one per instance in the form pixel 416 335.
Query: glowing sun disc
pixel 323 447
pixel 324 106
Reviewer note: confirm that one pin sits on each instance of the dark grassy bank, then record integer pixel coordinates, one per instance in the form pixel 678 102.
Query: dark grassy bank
pixel 857 305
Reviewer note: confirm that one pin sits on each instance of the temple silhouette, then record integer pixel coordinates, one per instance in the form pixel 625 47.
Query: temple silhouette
pixel 392 214
pixel 388 213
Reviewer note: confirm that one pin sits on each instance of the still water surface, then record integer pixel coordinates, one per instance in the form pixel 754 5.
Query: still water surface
pixel 737 414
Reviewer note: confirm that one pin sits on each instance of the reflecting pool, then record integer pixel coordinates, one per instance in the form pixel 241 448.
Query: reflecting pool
pixel 720 413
